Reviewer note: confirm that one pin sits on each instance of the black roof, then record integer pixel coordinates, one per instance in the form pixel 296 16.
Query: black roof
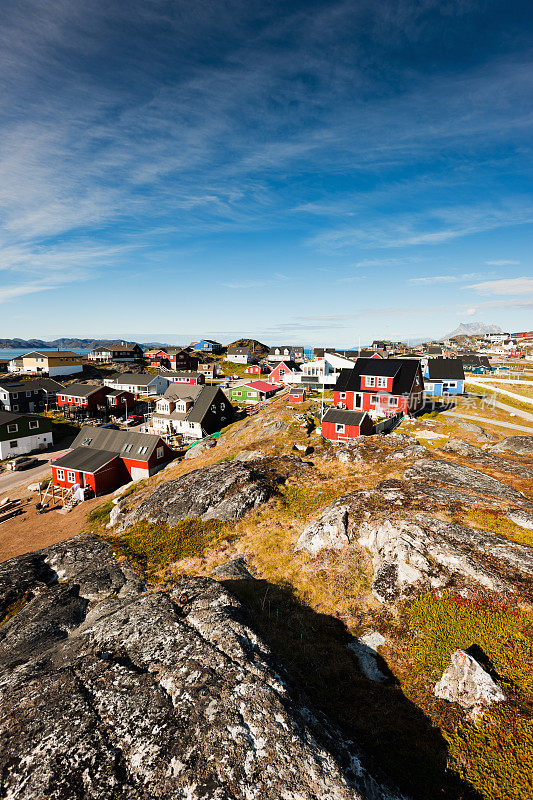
pixel 85 459
pixel 292 365
pixel 403 370
pixel 9 416
pixel 344 417
pixel 445 369
pixel 46 384
pixel 475 360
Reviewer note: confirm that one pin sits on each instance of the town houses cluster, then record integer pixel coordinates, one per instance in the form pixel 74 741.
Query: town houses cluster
pixel 136 409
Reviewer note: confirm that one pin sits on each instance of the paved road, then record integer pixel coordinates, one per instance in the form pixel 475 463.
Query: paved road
pixel 488 421
pixel 520 397
pixel 9 481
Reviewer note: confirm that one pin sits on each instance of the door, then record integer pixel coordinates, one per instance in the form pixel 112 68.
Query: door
pixel 31 406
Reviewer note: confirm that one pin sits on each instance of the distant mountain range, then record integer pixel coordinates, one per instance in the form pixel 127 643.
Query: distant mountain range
pixel 84 344
pixel 473 329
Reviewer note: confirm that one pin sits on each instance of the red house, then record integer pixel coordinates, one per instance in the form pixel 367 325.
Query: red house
pixel 282 370
pixel 83 395
pixel 104 459
pixel 338 425
pixel 175 358
pixel 381 387
pixel 185 378
pixel 257 369
pixel 297 395
pixel 120 400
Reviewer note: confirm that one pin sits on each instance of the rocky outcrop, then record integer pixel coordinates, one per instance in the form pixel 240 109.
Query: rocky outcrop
pixel 235 569
pixel 446 474
pixel 330 531
pixel 428 553
pixel 200 448
pixel 109 691
pixel 465 681
pixel 225 491
pixel 521 445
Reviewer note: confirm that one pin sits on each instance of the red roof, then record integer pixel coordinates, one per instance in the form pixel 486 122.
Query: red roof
pixel 263 386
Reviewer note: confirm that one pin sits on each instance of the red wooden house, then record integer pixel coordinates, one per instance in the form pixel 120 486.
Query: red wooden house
pixel 282 371
pixel 339 425
pixel 175 358
pixel 297 395
pixel 381 387
pixel 104 459
pixel 87 396
pixel 120 400
pixel 257 369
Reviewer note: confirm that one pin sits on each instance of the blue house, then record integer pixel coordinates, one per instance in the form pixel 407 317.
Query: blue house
pixel 443 376
pixel 208 346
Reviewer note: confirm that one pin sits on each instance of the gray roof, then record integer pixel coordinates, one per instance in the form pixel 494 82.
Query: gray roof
pixel 114 441
pixel 81 389
pixel 9 416
pixel 234 351
pixel 134 378
pixel 203 402
pixel 46 384
pixel 85 459
pixel 344 417
pixel 182 391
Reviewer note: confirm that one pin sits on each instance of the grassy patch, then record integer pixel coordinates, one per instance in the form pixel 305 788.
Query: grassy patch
pixel 99 516
pixel 496 523
pixel 301 502
pixel 496 755
pixel 154 544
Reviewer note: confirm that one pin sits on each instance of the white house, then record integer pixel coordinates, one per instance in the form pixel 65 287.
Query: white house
pixel 281 353
pixel 321 371
pixel 139 384
pixel 239 355
pixel 20 434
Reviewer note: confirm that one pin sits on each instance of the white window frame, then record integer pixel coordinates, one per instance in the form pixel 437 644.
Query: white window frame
pixel 370 381
pixel 12 428
pixel 381 383
pixel 60 473
pixel 339 427
pixel 393 401
pixel 160 452
pixel 71 476
pixel 34 424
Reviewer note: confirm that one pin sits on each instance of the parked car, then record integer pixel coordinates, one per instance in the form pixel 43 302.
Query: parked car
pixel 22 462
pixel 134 419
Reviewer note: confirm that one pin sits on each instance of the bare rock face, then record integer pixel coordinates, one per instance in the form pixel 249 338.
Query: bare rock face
pixel 427 553
pixel 225 491
pixel 328 532
pixel 448 474
pixel 200 448
pixel 465 682
pixel 112 692
pixel 522 445
pixel 235 569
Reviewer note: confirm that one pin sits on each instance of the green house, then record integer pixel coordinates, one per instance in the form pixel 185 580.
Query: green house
pixel 21 434
pixel 254 392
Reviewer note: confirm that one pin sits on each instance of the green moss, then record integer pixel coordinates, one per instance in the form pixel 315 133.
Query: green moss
pixel 496 754
pixel 99 516
pixel 497 523
pixel 154 544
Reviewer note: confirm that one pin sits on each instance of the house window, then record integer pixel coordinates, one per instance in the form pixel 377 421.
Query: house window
pixel 141 450
pixel 370 381
pixel 60 474
pixel 191 424
pixel 222 406
pixel 374 399
pixel 342 395
pixel 13 444
pixel 382 383
pixel 393 401
pixel 160 452
pixel 71 476
pixel 86 442
pixel 28 394
pixel 34 424
pixel 15 408
pixel 358 400
pixel 339 428
pixel 127 448
pixel 12 428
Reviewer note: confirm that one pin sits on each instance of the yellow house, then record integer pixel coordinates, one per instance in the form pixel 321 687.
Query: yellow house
pixel 52 362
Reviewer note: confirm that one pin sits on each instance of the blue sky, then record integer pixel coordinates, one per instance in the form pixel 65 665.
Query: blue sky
pixel 304 172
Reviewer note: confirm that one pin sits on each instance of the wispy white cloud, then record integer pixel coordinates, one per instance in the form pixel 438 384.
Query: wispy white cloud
pixel 431 280
pixel 505 286
pixel 11 292
pixel 504 262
